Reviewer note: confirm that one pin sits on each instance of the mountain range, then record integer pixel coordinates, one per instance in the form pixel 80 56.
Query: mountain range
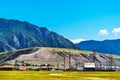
pixel 106 46
pixel 15 34
pixel 32 40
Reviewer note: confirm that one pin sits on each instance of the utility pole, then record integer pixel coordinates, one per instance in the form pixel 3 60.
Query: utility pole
pixel 69 61
pixel 57 65
pixel 64 63
pixel 79 63
pixel 111 61
pixel 94 58
pixel 94 53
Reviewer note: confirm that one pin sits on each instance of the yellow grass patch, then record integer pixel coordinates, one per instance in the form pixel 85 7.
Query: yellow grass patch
pixel 58 75
pixel 96 78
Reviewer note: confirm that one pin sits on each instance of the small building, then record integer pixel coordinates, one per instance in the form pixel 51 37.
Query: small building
pixel 46 67
pixel 89 66
pixel 22 68
pixel 78 66
pixel 110 67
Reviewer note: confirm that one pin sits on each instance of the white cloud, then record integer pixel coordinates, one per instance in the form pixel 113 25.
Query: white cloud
pixel 103 32
pixel 77 40
pixel 116 31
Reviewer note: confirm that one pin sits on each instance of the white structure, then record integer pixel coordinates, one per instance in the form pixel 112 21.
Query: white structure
pixel 89 65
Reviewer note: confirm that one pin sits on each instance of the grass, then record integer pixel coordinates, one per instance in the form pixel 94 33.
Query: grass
pixel 113 55
pixel 58 75
pixel 55 63
pixel 68 50
pixel 75 51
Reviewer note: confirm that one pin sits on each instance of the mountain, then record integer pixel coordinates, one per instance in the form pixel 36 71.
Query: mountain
pixel 57 56
pixel 15 34
pixel 106 46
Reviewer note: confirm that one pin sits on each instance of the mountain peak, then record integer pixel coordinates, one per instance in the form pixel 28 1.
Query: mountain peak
pixel 23 34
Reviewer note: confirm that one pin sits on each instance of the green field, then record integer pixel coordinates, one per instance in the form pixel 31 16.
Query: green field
pixel 58 75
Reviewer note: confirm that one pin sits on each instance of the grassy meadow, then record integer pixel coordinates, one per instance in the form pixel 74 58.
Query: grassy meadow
pixel 58 75
pixel 68 50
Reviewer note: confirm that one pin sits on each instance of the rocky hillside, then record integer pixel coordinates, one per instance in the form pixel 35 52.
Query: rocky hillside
pixel 57 55
pixel 15 34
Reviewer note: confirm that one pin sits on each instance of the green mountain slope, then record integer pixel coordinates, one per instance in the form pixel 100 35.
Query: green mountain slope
pixel 16 34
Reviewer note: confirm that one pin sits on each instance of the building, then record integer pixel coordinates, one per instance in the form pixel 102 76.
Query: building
pixel 46 67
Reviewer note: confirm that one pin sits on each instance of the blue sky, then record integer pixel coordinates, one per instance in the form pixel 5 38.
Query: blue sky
pixel 74 19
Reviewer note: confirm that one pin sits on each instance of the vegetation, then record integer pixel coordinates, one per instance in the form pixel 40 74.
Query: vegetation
pixel 68 50
pixel 58 75
pixel 55 49
pixel 113 55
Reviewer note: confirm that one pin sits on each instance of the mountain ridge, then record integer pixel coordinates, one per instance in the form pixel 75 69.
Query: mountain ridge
pixel 15 34
pixel 106 46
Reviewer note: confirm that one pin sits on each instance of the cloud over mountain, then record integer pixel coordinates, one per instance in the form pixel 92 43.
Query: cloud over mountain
pixel 103 32
pixel 116 31
pixel 77 40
